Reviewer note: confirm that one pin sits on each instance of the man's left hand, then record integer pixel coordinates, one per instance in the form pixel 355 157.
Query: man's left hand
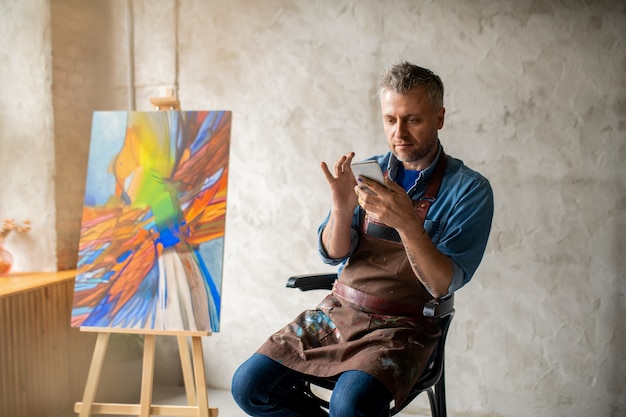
pixel 388 204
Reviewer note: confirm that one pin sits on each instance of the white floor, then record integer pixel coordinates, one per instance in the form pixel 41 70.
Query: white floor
pixel 217 399
pixel 220 399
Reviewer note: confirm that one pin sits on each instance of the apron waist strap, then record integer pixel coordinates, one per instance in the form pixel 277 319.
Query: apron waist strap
pixel 373 304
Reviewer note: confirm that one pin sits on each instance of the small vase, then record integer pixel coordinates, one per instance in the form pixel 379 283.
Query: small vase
pixel 6 260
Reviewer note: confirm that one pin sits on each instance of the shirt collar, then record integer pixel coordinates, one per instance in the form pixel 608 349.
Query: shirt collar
pixel 425 174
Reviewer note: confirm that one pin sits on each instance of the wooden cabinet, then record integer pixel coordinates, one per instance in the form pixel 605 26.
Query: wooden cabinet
pixel 43 360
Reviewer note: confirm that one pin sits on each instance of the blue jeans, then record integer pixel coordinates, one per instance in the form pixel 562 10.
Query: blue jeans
pixel 264 387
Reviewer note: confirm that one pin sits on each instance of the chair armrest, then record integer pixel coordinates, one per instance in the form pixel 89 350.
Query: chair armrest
pixel 439 307
pixel 312 281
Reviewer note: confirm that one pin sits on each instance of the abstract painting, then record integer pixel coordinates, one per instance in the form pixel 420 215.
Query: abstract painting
pixel 152 234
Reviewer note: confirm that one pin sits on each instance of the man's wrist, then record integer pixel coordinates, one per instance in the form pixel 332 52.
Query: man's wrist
pixel 410 228
pixel 342 211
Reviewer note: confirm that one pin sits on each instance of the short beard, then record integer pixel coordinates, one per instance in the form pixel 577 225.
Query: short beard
pixel 419 153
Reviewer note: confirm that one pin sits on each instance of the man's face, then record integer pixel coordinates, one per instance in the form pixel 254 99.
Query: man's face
pixel 411 122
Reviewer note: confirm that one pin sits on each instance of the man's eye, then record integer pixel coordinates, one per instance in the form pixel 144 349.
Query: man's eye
pixel 414 120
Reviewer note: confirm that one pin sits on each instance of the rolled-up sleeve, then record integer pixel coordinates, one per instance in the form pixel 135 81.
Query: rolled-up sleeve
pixel 466 233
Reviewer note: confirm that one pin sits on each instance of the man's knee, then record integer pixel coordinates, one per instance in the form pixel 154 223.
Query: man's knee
pixel 359 394
pixel 244 385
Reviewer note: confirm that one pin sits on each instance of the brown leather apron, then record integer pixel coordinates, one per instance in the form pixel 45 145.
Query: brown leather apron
pixel 371 322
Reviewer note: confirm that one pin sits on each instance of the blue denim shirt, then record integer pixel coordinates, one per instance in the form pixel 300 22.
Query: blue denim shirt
pixel 458 221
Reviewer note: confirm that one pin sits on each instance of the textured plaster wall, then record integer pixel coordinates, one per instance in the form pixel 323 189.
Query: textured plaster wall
pixel 535 99
pixel 27 132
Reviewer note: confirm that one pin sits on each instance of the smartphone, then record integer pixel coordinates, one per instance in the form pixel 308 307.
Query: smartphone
pixel 369 169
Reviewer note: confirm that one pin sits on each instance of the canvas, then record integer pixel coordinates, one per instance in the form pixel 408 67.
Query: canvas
pixel 152 237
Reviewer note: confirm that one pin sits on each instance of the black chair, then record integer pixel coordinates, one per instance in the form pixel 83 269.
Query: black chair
pixel 431 381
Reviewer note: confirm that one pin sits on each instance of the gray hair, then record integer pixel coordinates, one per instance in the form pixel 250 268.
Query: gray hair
pixel 404 77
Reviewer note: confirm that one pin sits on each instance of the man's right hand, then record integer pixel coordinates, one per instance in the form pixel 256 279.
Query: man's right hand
pixel 336 235
pixel 342 184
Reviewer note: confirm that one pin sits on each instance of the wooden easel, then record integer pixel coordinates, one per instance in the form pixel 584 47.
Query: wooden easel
pixel 193 375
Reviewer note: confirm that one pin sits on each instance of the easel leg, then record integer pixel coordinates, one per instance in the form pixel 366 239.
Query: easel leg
pixel 94 374
pixel 147 377
pixel 185 361
pixel 201 391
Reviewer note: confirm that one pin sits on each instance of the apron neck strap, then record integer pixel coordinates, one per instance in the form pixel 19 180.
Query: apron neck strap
pixel 434 182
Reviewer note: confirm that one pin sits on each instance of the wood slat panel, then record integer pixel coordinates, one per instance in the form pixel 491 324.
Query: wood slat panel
pixel 43 360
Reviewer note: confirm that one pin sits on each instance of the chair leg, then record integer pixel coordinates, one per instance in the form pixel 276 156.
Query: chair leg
pixel 440 394
pixel 433 402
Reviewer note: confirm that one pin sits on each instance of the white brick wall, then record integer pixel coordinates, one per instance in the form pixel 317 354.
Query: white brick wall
pixel 79 57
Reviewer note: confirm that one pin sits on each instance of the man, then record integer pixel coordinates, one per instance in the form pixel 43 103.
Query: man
pixel 419 236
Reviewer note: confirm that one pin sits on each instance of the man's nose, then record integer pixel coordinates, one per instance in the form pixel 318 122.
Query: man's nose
pixel 401 130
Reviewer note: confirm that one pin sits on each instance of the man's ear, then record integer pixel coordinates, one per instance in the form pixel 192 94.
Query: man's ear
pixel 440 117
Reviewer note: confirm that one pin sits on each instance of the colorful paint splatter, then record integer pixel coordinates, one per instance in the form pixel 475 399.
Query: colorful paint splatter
pixel 152 236
pixel 312 327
